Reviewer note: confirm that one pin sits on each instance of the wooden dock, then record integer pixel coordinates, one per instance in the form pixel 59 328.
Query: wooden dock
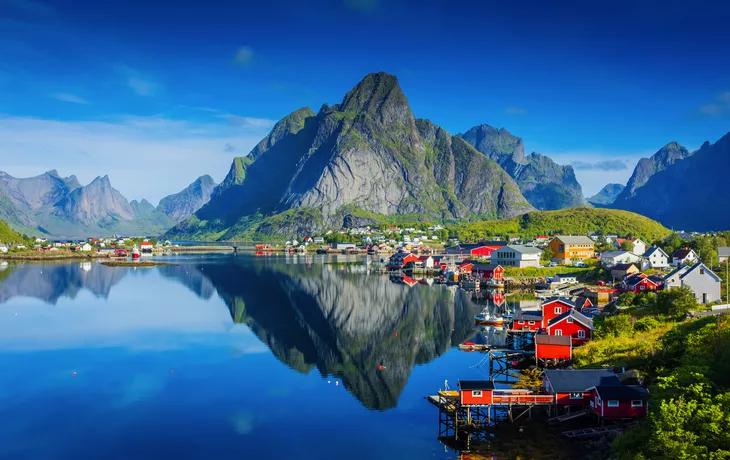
pixel 598 431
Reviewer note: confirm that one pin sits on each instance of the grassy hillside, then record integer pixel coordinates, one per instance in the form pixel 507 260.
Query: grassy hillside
pixel 8 235
pixel 572 221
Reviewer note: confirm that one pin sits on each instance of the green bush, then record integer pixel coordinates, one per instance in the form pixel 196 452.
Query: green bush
pixel 646 324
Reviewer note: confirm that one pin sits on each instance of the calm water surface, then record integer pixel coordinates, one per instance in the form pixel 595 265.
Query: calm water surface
pixel 225 357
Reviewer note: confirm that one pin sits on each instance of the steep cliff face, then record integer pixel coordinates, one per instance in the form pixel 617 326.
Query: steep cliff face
pixel 182 205
pixel 686 190
pixel 544 183
pixel 94 203
pixel 647 167
pixel 367 154
pixel 142 208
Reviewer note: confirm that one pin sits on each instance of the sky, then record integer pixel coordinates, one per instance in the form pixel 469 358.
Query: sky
pixel 157 93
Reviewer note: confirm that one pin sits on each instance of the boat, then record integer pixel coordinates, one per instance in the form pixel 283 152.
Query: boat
pixel 323 250
pixel 485 318
pixel 135 253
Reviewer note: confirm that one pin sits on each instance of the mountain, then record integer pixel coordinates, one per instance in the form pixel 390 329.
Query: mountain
pixel 8 235
pixel 367 156
pixel 182 205
pixel 607 195
pixel 52 205
pixel 544 183
pixel 647 167
pixel 685 190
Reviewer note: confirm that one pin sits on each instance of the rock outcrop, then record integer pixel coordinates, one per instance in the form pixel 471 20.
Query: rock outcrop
pixel 182 205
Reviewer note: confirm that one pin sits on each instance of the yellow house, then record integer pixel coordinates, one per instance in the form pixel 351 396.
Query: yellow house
pixel 567 248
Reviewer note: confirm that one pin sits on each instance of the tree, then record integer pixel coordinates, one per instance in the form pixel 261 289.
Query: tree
pixel 626 299
pixel 547 255
pixel 615 326
pixel 627 246
pixel 676 301
pixel 671 243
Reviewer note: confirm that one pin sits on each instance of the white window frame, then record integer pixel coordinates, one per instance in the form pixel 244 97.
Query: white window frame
pixel 558 310
pixel 576 395
pixel 558 332
pixel 476 393
pixel 613 403
pixel 581 334
pixel 637 403
pixel 569 320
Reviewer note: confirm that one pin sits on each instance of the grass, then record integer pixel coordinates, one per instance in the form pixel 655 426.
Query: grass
pixel 630 352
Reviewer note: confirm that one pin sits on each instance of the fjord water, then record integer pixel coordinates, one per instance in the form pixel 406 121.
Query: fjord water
pixel 227 356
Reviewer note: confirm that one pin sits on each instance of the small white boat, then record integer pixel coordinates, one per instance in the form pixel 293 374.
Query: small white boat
pixel 485 318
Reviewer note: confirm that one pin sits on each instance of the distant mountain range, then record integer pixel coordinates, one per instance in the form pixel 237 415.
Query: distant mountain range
pixel 607 195
pixel 49 204
pixel 368 159
pixel 682 189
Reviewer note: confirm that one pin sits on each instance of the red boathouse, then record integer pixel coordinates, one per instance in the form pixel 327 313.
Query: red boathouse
pixel 572 387
pixel 619 401
pixel 553 347
pixel 475 392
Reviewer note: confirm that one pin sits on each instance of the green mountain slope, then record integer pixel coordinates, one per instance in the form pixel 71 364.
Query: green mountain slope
pixel 8 235
pixel 574 221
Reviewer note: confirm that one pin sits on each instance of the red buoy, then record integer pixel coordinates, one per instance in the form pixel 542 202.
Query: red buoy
pixel 380 367
pixel 396 334
pixel 74 374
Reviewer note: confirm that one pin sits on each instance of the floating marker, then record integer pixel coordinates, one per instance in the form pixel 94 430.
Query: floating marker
pixel 337 383
pixel 74 374
pixel 380 367
pixel 396 334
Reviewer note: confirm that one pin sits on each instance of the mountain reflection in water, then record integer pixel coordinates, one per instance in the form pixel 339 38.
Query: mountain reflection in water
pixel 339 318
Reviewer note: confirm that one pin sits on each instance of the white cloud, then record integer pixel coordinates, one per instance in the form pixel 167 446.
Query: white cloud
pixel 68 97
pixel 145 157
pixel 244 55
pixel 515 111
pixel 141 86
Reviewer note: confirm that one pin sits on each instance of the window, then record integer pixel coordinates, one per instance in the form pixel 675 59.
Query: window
pixel 476 393
pixel 531 323
pixel 612 403
pixel 558 332
pixel 704 297
pixel 581 334
pixel 641 288
pixel 570 320
pixel 558 310
pixel 637 403
pixel 576 396
pixel 702 271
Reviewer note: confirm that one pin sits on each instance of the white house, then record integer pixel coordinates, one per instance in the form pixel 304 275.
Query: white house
pixel 655 257
pixel 318 240
pixel 611 258
pixel 515 255
pixel 684 256
pixel 86 247
pixel 564 278
pixel 3 249
pixel 703 282
pixel 723 253
pixel 639 246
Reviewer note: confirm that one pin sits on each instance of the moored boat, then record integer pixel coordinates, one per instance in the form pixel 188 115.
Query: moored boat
pixel 485 318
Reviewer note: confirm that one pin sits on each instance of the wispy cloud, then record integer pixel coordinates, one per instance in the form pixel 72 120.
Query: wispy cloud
pixel 69 97
pixel 29 7
pixel 604 165
pixel 515 111
pixel 244 55
pixel 719 107
pixel 141 86
pixel 362 6
pixel 228 148
pixel 239 121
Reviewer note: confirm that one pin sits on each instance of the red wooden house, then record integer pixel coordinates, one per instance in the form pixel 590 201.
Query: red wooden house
pixel 639 283
pixel 553 347
pixel 465 267
pixel 582 303
pixel 619 401
pixel 480 250
pixel 527 320
pixel 488 271
pixel 400 259
pixel 572 323
pixel 572 387
pixel 554 307
pixel 475 392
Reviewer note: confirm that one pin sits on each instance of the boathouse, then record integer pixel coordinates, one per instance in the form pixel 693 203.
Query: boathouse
pixel 400 259
pixel 527 321
pixel 553 347
pixel 488 271
pixel 475 392
pixel 572 387
pixel 619 401
pixel 480 250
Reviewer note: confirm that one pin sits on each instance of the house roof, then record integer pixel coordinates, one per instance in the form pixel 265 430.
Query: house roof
pixel 566 275
pixel 530 315
pixel 723 251
pixel 569 380
pixel 522 249
pixel 615 253
pixel 581 302
pixel 570 239
pixel 622 267
pixel 697 266
pixel 654 249
pixel 681 253
pixel 564 300
pixel 621 391
pixel 633 280
pixel 544 339
pixel 679 270
pixel 481 266
pixel 476 385
pixel 576 315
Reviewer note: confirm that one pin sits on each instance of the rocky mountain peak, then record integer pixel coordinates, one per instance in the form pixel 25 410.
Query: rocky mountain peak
pixel 496 143
pixel 380 96
pixel 647 167
pixel 290 124
pixel 182 205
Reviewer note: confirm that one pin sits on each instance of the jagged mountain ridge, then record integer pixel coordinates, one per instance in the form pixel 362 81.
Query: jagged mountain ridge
pixel 607 195
pixel 183 204
pixel 647 167
pixel 686 190
pixel 367 155
pixel 544 183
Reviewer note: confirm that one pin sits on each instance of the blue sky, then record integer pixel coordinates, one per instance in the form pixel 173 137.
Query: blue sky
pixel 156 93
